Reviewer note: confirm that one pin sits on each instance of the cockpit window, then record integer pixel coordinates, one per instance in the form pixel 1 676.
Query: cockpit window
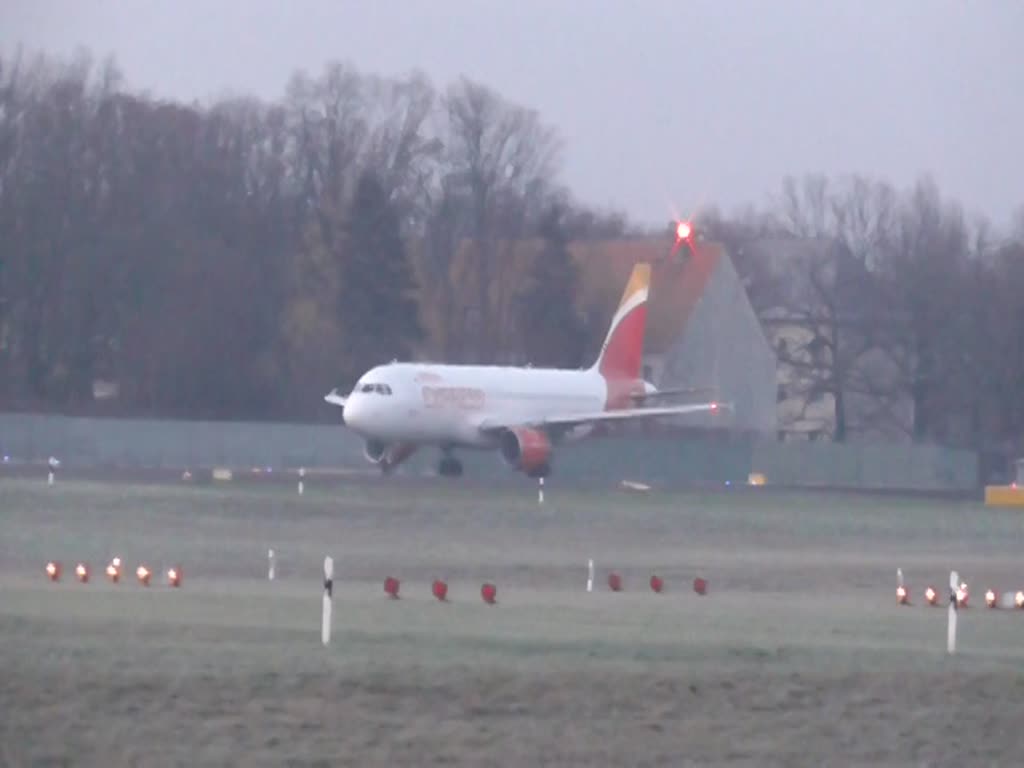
pixel 380 389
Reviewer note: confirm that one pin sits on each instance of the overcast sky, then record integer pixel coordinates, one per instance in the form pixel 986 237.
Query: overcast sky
pixel 664 103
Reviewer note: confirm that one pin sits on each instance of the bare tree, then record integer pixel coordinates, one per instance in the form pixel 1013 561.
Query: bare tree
pixel 839 232
pixel 401 152
pixel 500 155
pixel 926 275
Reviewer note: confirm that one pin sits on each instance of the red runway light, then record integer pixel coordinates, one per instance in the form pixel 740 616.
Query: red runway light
pixel 440 590
pixel 174 576
pixel 657 584
pixel 143 575
pixel 962 595
pixel 931 596
pixel 53 570
pixel 901 595
pixel 990 598
pixel 1018 599
pixel 489 593
pixel 391 586
pixel 614 582
pixel 82 573
pixel 700 586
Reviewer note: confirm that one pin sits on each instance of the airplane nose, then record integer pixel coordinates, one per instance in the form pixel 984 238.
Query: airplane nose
pixel 353 412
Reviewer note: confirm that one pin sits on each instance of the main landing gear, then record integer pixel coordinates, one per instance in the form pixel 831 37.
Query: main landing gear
pixel 449 466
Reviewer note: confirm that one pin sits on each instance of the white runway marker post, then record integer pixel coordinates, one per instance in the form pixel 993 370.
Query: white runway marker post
pixel 590 575
pixel 302 476
pixel 540 490
pixel 954 585
pixel 270 565
pixel 325 627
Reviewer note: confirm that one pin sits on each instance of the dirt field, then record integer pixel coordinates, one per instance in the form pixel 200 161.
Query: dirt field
pixel 798 655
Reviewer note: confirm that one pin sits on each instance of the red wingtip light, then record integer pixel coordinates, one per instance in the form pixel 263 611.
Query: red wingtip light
pixel 82 572
pixel 143 575
pixel 683 230
pixel 53 570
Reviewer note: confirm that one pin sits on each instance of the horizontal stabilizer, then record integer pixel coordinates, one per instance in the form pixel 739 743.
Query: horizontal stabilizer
pixel 334 398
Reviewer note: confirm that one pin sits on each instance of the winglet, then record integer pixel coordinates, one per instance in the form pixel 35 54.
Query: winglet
pixel 622 352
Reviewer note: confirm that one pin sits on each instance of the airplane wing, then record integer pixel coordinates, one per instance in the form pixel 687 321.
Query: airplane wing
pixel 570 420
pixel 334 398
pixel 641 397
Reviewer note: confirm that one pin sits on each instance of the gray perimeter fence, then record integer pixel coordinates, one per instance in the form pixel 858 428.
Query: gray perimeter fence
pixel 720 459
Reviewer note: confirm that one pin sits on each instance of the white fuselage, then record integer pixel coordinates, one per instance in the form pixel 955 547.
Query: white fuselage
pixel 427 403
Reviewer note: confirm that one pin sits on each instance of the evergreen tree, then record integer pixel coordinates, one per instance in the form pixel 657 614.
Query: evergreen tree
pixel 377 306
pixel 553 332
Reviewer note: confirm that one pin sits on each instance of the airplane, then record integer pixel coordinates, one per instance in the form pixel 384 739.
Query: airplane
pixel 521 412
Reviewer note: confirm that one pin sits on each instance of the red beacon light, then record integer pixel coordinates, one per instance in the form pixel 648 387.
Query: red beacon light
pixel 684 238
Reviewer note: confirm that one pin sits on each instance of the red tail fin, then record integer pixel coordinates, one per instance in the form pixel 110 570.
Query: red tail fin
pixel 623 348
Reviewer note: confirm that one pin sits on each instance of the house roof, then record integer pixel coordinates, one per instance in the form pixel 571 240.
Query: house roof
pixel 677 281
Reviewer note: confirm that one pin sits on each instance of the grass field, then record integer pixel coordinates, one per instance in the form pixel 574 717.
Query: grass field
pixel 798 655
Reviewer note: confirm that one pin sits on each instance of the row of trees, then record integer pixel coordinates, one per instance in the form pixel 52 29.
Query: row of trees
pixel 237 260
pixel 910 313
pixel 233 260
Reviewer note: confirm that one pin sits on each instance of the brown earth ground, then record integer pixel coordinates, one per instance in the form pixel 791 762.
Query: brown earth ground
pixel 798 654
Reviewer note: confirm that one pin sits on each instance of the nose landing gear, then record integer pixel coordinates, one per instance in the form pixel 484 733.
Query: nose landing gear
pixel 449 466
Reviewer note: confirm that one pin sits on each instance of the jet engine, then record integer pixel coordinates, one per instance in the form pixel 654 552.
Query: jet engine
pixel 527 450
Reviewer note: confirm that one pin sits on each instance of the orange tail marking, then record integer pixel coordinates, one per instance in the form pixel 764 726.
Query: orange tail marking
pixel 622 353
